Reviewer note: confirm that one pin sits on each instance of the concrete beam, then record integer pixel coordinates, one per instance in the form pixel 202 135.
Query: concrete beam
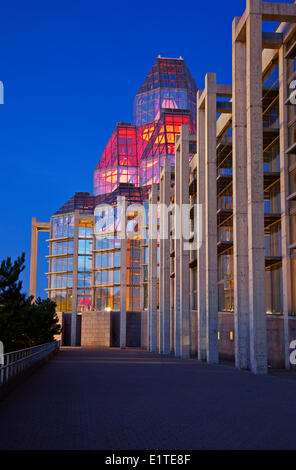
pixel 240 30
pixel 221 91
pixel 224 91
pixel 281 12
pixel 224 107
pixel 272 40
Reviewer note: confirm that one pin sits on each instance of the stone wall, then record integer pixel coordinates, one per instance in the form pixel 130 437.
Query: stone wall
pixel 96 329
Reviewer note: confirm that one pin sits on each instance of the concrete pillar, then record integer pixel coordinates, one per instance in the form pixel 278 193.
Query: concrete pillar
pixel 166 263
pixel 92 272
pixel 240 204
pixel 33 262
pixel 152 268
pixel 211 219
pixel 257 299
pixel 142 260
pixel 149 310
pixel 161 261
pixel 123 272
pixel 74 285
pixel 172 308
pixel 35 228
pixel 161 265
pixel 176 237
pixel 184 252
pixel 201 253
pixel 285 219
pixel 164 268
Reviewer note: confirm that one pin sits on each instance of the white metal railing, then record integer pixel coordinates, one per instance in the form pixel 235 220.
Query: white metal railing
pixel 17 362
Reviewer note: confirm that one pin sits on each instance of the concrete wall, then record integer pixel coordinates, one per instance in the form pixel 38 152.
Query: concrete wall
pixel 226 344
pixel 96 329
pixel 275 342
pixel 292 329
pixel 144 343
pixel 59 337
pixel 133 329
pixel 292 335
pixel 193 339
pixel 275 338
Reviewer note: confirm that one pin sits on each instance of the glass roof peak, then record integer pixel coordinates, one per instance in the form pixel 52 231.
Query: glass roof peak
pixel 135 152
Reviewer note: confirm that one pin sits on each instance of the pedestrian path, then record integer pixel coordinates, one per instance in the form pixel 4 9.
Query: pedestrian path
pixel 113 399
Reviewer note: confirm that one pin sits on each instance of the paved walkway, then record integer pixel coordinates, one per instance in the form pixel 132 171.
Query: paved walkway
pixel 86 399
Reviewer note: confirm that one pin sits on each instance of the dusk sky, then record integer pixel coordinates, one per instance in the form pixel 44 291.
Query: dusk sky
pixel 70 71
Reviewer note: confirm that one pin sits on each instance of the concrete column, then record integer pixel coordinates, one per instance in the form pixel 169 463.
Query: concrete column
pixel 285 220
pixel 172 308
pixel 152 268
pixel 257 299
pixel 92 273
pixel 74 285
pixel 123 272
pixel 142 259
pixel 164 268
pixel 240 204
pixel 176 237
pixel 166 263
pixel 35 228
pixel 211 219
pixel 161 265
pixel 33 262
pixel 149 294
pixel 201 253
pixel 184 253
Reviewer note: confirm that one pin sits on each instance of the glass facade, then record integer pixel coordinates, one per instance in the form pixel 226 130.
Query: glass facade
pixel 89 261
pixel 119 162
pixel 85 236
pixel 169 85
pixel 134 154
pixel 61 262
pixel 107 259
pixel 132 159
pixel 63 270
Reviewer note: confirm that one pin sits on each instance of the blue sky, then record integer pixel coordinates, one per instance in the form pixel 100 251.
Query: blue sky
pixel 70 71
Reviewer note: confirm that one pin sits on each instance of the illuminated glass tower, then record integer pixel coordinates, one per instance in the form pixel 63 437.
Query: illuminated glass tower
pixel 135 153
pixel 90 271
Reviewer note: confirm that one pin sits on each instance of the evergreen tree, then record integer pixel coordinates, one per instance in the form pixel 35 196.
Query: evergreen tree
pixel 23 323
